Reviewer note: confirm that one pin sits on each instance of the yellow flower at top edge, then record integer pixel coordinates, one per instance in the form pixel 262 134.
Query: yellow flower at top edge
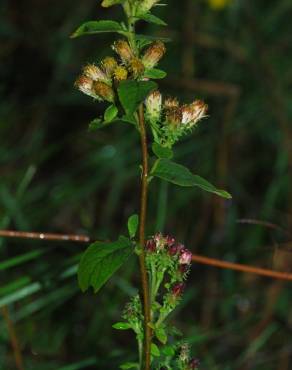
pixel 218 4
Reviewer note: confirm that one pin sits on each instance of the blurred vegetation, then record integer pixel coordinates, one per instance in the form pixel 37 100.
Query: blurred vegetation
pixel 58 177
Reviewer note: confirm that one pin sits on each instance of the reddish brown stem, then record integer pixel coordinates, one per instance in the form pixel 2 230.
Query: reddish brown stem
pixel 43 236
pixel 196 258
pixel 243 268
pixel 13 338
pixel 143 212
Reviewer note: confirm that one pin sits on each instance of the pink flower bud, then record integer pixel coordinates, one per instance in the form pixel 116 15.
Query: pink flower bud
pixel 185 257
pixel 160 241
pixel 178 289
pixel 169 240
pixel 183 269
pixel 150 246
pixel 172 250
pixel 180 247
pixel 194 364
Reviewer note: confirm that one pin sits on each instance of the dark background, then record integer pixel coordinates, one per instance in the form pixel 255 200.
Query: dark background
pixel 56 176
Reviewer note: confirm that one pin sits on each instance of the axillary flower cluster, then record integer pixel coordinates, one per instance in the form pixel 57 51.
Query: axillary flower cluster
pixel 169 120
pixel 168 265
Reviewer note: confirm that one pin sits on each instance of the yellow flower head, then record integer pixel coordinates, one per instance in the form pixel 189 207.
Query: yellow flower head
pixel 120 73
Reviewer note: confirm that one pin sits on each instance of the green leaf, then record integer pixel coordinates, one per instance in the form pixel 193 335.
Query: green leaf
pixel 150 18
pixel 133 223
pixel 122 326
pixel 129 119
pixel 110 113
pixel 130 365
pixel 161 151
pixel 108 3
pixel 180 175
pixel 143 38
pixel 20 259
pixel 132 93
pixel 95 124
pixel 100 261
pixel 155 350
pixel 161 335
pixel 168 351
pixel 154 73
pixel 92 27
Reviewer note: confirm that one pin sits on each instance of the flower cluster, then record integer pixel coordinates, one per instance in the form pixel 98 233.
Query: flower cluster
pixel 168 262
pixel 169 120
pixel 100 82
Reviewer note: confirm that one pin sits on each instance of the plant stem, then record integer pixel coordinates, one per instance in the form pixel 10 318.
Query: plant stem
pixel 143 210
pixel 13 339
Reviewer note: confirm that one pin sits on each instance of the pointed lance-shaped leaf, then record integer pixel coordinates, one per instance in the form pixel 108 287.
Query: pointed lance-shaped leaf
pixel 180 175
pixel 93 27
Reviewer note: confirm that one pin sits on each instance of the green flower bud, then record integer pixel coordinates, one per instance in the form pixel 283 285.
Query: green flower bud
pixel 153 105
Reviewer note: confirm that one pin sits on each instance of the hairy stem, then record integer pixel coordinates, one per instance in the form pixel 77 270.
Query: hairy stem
pixel 143 210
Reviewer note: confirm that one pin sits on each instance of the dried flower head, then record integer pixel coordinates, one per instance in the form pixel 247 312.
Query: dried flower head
pixel 108 65
pixel 124 51
pixel 95 73
pixel 104 91
pixel 184 353
pixel 136 67
pixel 192 113
pixel 153 105
pixel 170 102
pixel 85 85
pixel 173 116
pixel 153 54
pixel 120 73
